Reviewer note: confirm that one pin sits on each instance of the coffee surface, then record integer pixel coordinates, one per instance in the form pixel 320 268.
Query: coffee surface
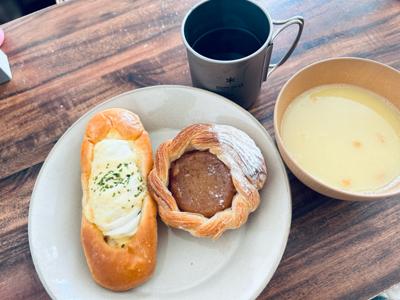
pixel 227 44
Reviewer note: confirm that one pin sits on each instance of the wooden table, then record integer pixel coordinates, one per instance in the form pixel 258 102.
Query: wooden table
pixel 68 58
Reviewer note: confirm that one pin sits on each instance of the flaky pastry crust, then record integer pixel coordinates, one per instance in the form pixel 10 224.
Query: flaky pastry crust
pixel 237 151
pixel 115 268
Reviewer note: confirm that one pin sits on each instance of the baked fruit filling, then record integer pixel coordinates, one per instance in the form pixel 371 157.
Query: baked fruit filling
pixel 201 183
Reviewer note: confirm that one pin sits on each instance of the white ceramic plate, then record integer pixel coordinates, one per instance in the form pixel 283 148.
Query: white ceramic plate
pixel 236 266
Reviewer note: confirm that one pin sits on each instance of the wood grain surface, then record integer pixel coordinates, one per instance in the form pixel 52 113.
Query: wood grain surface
pixel 70 57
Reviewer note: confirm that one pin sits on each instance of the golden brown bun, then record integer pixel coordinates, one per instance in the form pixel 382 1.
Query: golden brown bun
pixel 237 151
pixel 115 268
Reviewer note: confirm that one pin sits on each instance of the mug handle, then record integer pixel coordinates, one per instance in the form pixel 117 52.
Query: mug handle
pixel 297 20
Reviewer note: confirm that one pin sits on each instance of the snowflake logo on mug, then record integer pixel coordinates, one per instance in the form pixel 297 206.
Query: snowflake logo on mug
pixel 230 80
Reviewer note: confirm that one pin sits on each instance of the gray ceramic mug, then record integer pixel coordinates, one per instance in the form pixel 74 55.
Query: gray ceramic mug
pixel 235 77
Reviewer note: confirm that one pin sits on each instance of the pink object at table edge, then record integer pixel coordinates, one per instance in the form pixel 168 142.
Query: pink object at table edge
pixel 1 36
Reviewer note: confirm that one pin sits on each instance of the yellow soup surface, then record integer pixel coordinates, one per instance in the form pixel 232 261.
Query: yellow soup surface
pixel 345 136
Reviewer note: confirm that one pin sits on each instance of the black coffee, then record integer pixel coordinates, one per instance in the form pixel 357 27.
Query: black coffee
pixel 227 44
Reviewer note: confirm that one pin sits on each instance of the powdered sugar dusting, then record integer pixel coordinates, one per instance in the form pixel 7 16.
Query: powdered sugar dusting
pixel 241 151
pixel 211 170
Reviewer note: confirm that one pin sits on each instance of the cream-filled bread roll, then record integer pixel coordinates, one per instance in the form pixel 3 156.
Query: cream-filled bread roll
pixel 119 228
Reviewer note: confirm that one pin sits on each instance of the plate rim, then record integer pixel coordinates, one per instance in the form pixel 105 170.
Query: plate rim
pixel 268 275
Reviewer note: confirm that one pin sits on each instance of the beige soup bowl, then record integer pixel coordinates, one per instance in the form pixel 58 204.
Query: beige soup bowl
pixel 365 73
